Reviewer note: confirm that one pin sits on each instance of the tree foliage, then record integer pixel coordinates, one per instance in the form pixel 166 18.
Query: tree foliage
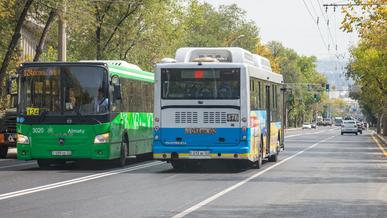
pixel 143 32
pixel 368 63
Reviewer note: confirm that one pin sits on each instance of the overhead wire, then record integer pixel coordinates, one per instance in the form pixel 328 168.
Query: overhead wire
pixel 318 27
pixel 327 22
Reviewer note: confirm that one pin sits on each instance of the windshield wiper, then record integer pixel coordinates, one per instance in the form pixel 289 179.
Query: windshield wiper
pixel 43 115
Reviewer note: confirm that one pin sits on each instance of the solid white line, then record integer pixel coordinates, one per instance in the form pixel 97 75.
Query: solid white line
pixel 75 181
pixel 17 165
pixel 219 194
pixel 5 159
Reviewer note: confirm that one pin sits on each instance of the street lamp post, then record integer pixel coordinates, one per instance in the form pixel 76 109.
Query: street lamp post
pixel 236 39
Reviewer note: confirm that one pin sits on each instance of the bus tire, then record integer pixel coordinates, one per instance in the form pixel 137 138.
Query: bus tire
pixel 258 163
pixel 121 162
pixel 178 165
pixel 3 152
pixel 273 158
pixel 44 163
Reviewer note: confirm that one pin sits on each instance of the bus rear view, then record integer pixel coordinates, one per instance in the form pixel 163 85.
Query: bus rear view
pixel 202 109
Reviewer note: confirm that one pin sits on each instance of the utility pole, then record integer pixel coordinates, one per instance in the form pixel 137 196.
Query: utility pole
pixel 62 44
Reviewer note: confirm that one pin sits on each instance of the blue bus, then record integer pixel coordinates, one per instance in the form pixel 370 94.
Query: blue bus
pixel 215 104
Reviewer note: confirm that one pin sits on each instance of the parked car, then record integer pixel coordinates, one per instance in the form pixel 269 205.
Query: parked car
pixel 314 126
pixel 349 126
pixel 307 126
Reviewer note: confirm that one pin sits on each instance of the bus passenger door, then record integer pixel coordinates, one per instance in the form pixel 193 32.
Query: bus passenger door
pixel 268 119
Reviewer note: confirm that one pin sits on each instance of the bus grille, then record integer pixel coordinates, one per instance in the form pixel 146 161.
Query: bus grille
pixel 214 117
pixel 186 117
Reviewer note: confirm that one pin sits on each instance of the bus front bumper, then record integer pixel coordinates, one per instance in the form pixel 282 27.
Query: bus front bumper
pixel 92 151
pixel 167 153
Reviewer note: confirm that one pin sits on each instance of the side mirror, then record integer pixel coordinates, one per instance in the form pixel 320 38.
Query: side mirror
pixel 117 92
pixel 115 81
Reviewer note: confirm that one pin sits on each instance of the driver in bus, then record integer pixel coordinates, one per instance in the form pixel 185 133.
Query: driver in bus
pixel 101 102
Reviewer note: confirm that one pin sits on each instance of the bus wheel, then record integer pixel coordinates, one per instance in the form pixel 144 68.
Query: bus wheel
pixel 3 152
pixel 178 165
pixel 44 163
pixel 274 157
pixel 258 163
pixel 123 153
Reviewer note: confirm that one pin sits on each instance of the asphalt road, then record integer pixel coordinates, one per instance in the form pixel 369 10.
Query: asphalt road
pixel 320 174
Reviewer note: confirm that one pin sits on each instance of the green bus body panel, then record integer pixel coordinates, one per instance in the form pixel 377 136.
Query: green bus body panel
pixel 79 139
pixel 130 73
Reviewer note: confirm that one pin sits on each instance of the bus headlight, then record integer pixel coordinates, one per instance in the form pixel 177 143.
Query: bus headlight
pixel 22 139
pixel 103 138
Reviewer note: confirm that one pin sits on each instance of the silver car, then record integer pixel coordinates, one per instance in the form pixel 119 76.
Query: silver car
pixel 349 126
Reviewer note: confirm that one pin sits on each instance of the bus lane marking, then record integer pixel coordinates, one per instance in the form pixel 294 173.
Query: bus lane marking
pixel 233 187
pixel 75 181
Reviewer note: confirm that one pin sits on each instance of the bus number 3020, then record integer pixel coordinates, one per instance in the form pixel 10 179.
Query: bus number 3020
pixel 37 130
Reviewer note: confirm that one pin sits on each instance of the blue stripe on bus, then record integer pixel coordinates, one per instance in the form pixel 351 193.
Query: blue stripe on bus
pixel 168 141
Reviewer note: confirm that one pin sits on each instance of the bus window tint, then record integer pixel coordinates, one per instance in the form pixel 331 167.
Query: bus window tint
pixel 83 94
pixel 200 83
pixel 40 90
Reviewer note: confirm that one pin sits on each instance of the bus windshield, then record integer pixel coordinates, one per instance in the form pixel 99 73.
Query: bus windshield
pixel 63 90
pixel 200 83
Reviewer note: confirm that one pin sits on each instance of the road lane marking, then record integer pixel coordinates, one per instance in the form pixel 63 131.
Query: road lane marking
pixel 75 181
pixel 231 188
pixel 380 146
pixel 18 165
pixel 309 133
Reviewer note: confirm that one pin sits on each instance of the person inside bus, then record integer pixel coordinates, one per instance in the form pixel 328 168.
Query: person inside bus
pixel 205 93
pixel 191 91
pixel 71 100
pixel 101 102
pixel 224 91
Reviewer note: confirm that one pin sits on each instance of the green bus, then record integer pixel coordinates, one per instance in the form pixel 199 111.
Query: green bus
pixel 101 110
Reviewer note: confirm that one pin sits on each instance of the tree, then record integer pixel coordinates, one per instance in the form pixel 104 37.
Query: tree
pixel 367 66
pixel 13 43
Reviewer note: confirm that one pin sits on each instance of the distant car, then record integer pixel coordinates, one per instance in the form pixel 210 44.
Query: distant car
pixel 360 127
pixel 349 126
pixel 314 126
pixel 327 122
pixel 307 126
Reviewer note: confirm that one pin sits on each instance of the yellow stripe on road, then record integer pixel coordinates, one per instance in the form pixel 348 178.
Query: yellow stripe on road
pixel 380 146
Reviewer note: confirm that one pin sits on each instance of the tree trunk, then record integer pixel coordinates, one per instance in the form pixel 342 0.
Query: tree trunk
pixel 379 123
pixel 40 46
pixel 385 124
pixel 98 42
pixel 14 41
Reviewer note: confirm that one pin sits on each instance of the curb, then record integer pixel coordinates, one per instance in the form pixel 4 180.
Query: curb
pixel 292 129
pixel 381 139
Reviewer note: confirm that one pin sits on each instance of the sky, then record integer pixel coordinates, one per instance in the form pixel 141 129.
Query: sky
pixel 289 22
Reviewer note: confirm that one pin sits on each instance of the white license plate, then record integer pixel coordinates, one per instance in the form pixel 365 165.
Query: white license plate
pixel 61 153
pixel 200 154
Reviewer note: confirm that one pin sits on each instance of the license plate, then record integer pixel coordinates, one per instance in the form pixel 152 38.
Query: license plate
pixel 61 153
pixel 200 131
pixel 200 154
